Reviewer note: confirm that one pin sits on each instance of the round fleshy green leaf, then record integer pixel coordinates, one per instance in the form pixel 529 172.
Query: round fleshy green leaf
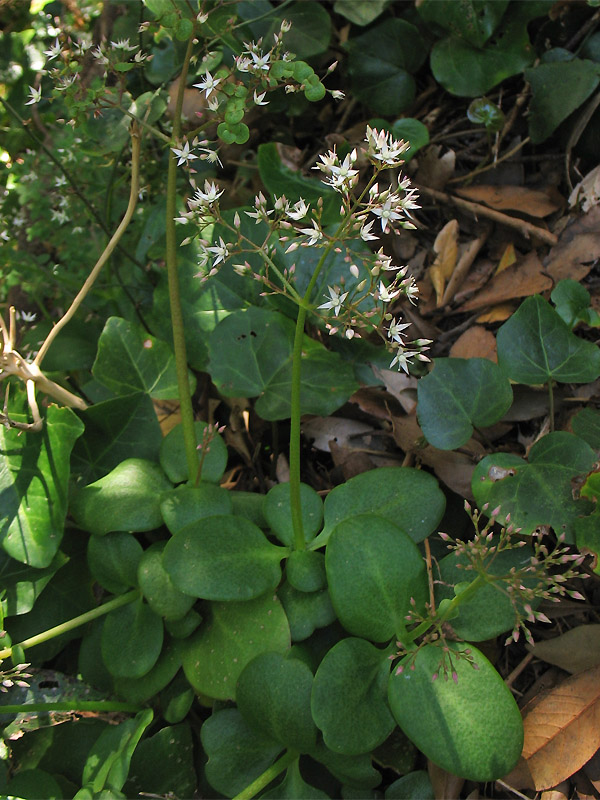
pixel 173 459
pixel 187 504
pixel 539 492
pixel 184 627
pixel 349 697
pixel 413 786
pixel 113 560
pixel 356 772
pixel 305 570
pixel 278 513
pixel 176 699
pixel 127 499
pixel 373 571
pixel 140 690
pixel 273 694
pixel 223 558
pixel 132 638
pixel 471 727
pixel 293 786
pixel 231 636
pixel 164 764
pixel 305 611
pixel 407 497
pixel 458 394
pixel 237 754
pixel 163 597
pixel 536 345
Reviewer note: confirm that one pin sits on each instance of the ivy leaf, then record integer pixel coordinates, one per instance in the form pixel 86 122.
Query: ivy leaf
pixel 586 425
pixel 536 345
pixel 349 702
pixel 573 303
pixel 474 21
pixel 373 570
pixel 539 492
pixel 458 394
pixel 471 727
pixel 360 12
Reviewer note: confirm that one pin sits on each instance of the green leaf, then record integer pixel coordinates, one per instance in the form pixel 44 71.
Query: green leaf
pixel 108 762
pixel 223 558
pixel 34 783
pixel 539 492
pixel 360 12
pixel 281 180
pixel 132 639
pixel 305 570
pixel 586 424
pixel 380 63
pixel 558 88
pixel 141 690
pixel 474 21
pixel 22 585
pixel 483 112
pixel 184 627
pixel 535 345
pixel 125 427
pixel 471 728
pixel 34 474
pixel 173 459
pixel 294 787
pixel 355 772
pixel 408 497
pixel 176 699
pixel 305 611
pixel 349 697
pixel 412 131
pixel 311 29
pixel 587 529
pixel 414 786
pixel 251 355
pixel 131 360
pixel 163 597
pixel 127 499
pixel 113 560
pixel 373 570
pixel 233 634
pixel 163 764
pixel 187 504
pixel 277 509
pixel 573 301
pixel 458 394
pixel 273 695
pixel 237 754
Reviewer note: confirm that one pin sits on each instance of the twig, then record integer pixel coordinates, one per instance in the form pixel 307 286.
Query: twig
pixel 493 165
pixel 464 265
pixel 525 228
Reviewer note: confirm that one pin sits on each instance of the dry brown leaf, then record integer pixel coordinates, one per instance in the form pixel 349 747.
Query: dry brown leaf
pixel 445 248
pixel 475 342
pixel 533 202
pixel 401 386
pixel 497 314
pixel 587 191
pixel 592 770
pixel 560 792
pixel 168 414
pixel 509 257
pixel 349 461
pixel 578 248
pixel 445 785
pixel 574 651
pixel 434 170
pixel 562 732
pixel 521 280
pixel 344 432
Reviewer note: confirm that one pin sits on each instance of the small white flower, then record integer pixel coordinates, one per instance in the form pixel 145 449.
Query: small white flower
pixel 208 85
pixel 184 154
pixel 335 300
pixel 259 99
pixel 386 214
pixel 123 44
pixel 298 211
pixel 395 330
pixel 337 95
pixel 59 215
pixel 385 295
pixel 314 233
pixel 35 95
pixel 210 194
pixel 365 232
pixel 402 359
pixel 28 316
pixel 53 51
pixel 60 181
pixel 261 61
pixel 100 56
pixel 220 250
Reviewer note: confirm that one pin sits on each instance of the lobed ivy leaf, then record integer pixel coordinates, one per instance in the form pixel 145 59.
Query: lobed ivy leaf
pixel 374 569
pixel 573 303
pixel 586 425
pixel 587 529
pixel 349 697
pixel 360 12
pixel 471 727
pixel 535 345
pixel 474 21
pixel 458 394
pixel 537 492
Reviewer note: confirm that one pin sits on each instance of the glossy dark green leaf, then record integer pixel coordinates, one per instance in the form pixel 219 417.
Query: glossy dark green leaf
pixel 311 29
pixel 558 88
pixel 373 570
pixel 34 474
pixel 131 360
pixel 155 583
pixel 360 12
pixel 127 499
pixel 294 787
pixel 173 459
pixel 458 394
pixel 535 345
pixel 573 303
pixel 237 754
pixel 349 697
pixel 223 558
pixel 125 427
pixel 231 636
pixel 537 492
pixel 471 727
pixel 187 504
pixel 184 627
pixel 305 611
pixel 273 695
pixel 407 497
pixel 277 509
pixel 586 424
pixel 22 585
pixel 587 529
pixel 132 638
pixel 380 63
pixel 472 20
pixel 412 131
pixel 163 764
pixel 113 560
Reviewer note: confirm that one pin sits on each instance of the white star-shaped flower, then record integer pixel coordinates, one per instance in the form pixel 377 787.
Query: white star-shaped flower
pixel 335 300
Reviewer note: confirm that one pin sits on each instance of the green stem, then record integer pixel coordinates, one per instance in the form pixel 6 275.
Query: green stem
pixel 551 404
pixel 267 776
pixel 71 624
pixel 185 400
pixel 101 706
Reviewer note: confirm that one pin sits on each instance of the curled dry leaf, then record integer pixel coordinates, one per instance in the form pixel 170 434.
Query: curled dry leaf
pixel 524 278
pixel 574 651
pixel 587 191
pixel 577 250
pixel 445 248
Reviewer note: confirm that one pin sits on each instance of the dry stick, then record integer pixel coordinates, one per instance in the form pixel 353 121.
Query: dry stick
pixel 133 197
pixel 464 265
pixel 493 165
pixel 525 228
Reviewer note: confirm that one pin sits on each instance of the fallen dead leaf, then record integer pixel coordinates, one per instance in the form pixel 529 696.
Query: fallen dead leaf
pixel 574 651
pixel 475 342
pixel 562 731
pixel 343 432
pixel 578 248
pixel 445 785
pixel 435 170
pixel 401 386
pixel 168 414
pixel 509 257
pixel 498 313
pixel 349 461
pixel 560 792
pixel 592 770
pixel 533 202
pixel 445 248
pixel 587 191
pixel 521 280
